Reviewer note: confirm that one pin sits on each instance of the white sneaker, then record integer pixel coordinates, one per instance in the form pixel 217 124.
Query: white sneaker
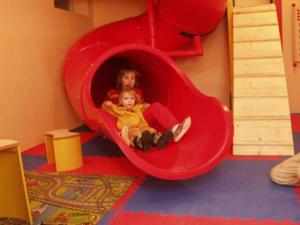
pixel 179 130
pixel 124 135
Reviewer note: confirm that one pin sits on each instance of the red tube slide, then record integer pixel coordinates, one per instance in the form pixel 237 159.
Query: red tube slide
pixel 93 62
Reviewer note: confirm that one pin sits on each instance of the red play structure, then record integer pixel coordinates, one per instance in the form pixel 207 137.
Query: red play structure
pixel 168 29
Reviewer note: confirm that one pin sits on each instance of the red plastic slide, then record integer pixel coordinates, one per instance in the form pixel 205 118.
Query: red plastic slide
pixel 93 62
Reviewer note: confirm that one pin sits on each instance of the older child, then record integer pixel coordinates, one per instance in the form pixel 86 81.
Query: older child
pixel 287 172
pixel 134 128
pixel 155 112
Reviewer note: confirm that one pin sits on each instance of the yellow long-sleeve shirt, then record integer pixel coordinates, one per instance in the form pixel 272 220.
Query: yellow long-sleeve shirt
pixel 130 118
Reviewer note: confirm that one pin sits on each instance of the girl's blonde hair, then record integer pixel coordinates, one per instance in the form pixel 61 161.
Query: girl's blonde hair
pixel 124 71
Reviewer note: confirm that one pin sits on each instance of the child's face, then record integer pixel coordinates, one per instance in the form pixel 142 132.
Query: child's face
pixel 128 80
pixel 128 100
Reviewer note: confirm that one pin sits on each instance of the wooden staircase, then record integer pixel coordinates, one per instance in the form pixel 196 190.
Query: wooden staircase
pixel 260 100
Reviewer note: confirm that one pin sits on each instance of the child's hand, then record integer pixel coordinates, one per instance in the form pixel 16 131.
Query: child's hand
pixel 108 103
pixel 146 105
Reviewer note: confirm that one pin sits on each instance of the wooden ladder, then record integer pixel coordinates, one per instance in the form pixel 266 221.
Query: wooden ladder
pixel 260 99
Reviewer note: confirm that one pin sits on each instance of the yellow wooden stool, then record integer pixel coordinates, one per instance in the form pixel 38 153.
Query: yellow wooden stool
pixel 64 149
pixel 13 192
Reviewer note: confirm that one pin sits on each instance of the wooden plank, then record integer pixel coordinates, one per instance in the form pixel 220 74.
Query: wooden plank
pixel 265 66
pixel 255 19
pixel 263 117
pixel 260 107
pixel 263 149
pixel 263 132
pixel 259 75
pixel 257 49
pixel 250 3
pixel 230 44
pixel 259 86
pixel 259 33
pixel 6 144
pixel 259 8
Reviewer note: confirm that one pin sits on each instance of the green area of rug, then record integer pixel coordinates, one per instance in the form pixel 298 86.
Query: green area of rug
pixel 12 221
pixel 58 198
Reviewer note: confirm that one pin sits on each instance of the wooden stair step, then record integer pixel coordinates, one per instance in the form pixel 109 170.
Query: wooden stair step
pixel 259 75
pixel 263 132
pixel 262 66
pixel 259 137
pixel 259 86
pixel 257 49
pixel 263 149
pixel 256 33
pixel 255 19
pixel 251 9
pixel 262 117
pixel 260 107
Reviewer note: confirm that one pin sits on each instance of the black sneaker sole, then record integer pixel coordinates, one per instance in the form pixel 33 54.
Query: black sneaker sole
pixel 147 140
pixel 165 139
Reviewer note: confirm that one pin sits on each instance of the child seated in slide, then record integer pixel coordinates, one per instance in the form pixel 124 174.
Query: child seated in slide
pixel 135 131
pixel 154 113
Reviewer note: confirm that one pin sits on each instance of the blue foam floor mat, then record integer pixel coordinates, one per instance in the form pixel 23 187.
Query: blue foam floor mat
pixel 236 188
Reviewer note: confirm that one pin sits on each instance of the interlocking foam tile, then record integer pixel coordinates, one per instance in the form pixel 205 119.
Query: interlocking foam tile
pixel 295 122
pixel 107 217
pixel 297 191
pixel 36 150
pixel 130 218
pixel 86 136
pixel 32 162
pixel 101 165
pixel 296 137
pixel 236 188
pixel 101 146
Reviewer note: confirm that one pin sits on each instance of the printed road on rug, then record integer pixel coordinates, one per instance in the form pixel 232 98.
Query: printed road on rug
pixel 58 198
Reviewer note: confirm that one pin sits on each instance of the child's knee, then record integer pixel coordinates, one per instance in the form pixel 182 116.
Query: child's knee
pixel 298 172
pixel 155 105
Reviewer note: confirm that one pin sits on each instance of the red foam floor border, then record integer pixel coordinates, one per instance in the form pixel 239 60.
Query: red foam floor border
pixel 295 122
pixel 100 165
pixel 125 218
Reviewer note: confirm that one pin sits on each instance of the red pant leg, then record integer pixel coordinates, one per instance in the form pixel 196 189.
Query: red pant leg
pixel 159 117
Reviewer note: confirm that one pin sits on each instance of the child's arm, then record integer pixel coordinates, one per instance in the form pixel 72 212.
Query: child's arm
pixel 108 103
pixel 112 95
pixel 113 109
pixel 109 107
pixel 145 106
pixel 139 96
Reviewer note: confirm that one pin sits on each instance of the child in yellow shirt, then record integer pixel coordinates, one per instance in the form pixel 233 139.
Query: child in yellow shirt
pixel 134 128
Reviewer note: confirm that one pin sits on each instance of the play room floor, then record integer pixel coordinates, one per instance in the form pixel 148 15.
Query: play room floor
pixel 237 192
